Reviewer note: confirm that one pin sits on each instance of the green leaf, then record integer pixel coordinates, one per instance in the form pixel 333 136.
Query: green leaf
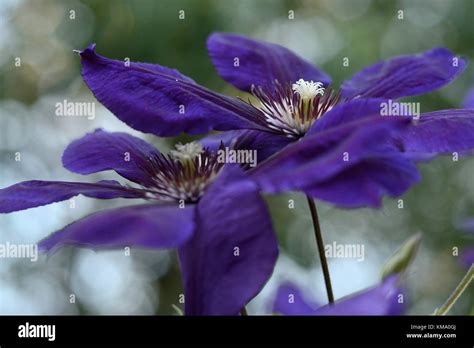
pixel 403 257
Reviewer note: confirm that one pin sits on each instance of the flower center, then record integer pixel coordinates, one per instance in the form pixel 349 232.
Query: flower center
pixel 187 151
pixel 308 90
pixel 291 110
pixel 184 174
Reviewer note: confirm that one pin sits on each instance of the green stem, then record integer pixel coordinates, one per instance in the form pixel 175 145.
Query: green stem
pixel 243 312
pixel 320 245
pixel 452 299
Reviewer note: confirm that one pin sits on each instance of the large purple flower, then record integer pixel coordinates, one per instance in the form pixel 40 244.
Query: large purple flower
pixel 211 212
pixel 382 299
pixel 331 145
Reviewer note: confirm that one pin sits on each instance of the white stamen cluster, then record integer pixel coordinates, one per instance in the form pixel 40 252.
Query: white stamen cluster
pixel 285 117
pixel 292 109
pixel 308 89
pixel 187 151
pixel 184 174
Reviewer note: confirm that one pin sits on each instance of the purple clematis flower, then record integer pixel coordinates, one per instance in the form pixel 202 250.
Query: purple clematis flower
pixel 209 211
pixel 331 145
pixel 379 300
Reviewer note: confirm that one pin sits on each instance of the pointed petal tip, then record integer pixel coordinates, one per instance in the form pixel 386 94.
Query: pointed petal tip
pixel 149 99
pixel 89 51
pixel 36 193
pixel 406 75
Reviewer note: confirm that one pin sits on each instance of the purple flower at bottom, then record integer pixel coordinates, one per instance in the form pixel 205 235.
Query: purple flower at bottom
pixel 210 212
pixel 332 145
pixel 382 299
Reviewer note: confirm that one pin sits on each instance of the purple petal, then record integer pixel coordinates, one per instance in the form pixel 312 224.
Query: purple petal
pixel 266 144
pixel 352 165
pixel 380 300
pixel 259 63
pixel 145 226
pixel 30 194
pixel 159 100
pixel 234 250
pixel 313 148
pixel 440 132
pixel 365 184
pixel 101 150
pixel 348 111
pixel 468 102
pixel 290 301
pixel 405 75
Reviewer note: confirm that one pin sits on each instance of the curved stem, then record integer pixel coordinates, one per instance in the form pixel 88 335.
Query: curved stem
pixel 462 286
pixel 320 245
pixel 243 312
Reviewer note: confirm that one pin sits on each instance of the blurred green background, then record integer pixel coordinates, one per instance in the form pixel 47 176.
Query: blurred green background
pixel 43 33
